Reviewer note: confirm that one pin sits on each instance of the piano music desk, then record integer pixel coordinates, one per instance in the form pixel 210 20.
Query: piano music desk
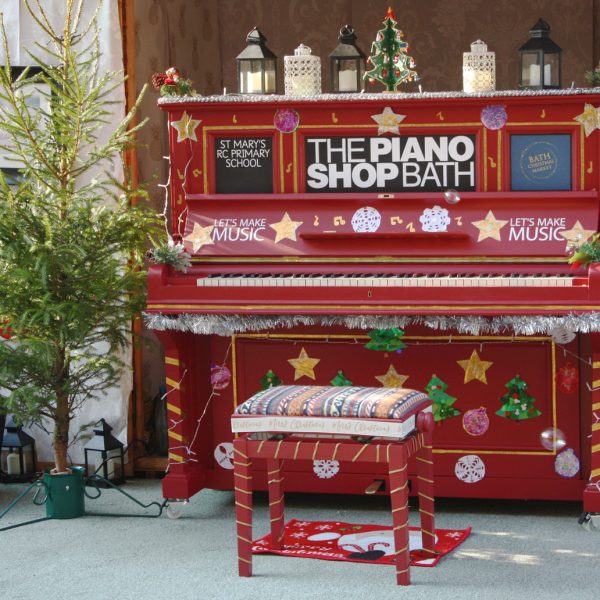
pixel 299 427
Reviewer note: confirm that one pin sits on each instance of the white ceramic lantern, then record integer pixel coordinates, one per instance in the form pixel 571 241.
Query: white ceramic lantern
pixel 302 73
pixel 479 69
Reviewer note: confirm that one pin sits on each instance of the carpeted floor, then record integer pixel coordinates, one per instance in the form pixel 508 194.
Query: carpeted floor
pixel 516 550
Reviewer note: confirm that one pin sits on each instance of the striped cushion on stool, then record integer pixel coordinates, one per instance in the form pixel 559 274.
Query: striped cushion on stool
pixel 331 409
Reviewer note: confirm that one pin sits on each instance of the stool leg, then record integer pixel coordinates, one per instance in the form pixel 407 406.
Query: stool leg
pixel 276 501
pixel 242 477
pixel 399 499
pixel 426 498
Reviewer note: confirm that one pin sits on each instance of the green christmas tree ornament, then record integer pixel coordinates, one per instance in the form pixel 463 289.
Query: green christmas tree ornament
pixel 386 340
pixel 340 380
pixel 442 402
pixel 269 380
pixel 389 61
pixel 517 404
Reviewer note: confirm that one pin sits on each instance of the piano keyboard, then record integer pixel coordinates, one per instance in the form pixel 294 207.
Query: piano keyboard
pixel 384 280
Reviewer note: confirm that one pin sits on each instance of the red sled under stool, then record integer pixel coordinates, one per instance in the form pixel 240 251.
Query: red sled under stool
pixel 295 422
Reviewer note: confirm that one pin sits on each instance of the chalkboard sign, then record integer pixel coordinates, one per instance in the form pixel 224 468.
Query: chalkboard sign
pixel 244 165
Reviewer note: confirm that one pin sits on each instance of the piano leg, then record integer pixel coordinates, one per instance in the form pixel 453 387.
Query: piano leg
pixel 591 494
pixel 242 478
pixel 398 468
pixel 426 497
pixel 276 501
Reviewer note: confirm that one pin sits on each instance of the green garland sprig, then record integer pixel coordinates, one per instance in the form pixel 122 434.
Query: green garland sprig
pixel 172 254
pixel 588 252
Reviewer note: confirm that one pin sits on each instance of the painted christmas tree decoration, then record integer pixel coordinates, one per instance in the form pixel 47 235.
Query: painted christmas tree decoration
pixel 442 402
pixel 269 380
pixel 389 61
pixel 517 404
pixel 386 340
pixel 340 380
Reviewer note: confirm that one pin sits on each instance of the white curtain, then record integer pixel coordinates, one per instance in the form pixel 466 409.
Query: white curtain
pixel 22 33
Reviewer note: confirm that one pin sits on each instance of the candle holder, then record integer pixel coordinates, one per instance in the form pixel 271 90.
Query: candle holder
pixel 347 64
pixel 540 60
pixel 302 73
pixel 18 454
pixel 256 66
pixel 479 69
pixel 104 456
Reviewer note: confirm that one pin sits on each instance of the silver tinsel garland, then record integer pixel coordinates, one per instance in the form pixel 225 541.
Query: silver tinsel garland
pixel 227 325
pixel 387 96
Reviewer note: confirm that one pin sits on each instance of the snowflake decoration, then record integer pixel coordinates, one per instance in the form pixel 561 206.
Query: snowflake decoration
pixel 435 219
pixel 366 220
pixel 326 469
pixel 469 468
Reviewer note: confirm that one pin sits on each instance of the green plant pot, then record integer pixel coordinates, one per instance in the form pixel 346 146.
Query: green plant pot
pixel 65 494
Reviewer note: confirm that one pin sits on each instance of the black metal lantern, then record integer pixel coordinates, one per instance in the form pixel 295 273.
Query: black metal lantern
pixel 18 454
pixel 347 63
pixel 256 66
pixel 540 59
pixel 104 456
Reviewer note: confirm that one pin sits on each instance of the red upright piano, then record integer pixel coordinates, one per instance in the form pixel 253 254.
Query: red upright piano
pixel 316 225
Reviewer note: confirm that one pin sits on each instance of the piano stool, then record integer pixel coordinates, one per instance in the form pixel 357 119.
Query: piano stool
pixel 300 427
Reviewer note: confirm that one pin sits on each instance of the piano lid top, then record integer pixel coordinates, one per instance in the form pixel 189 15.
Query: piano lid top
pixel 361 227
pixel 386 96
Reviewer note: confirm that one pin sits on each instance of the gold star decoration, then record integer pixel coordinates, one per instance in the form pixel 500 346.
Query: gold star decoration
pixel 304 365
pixel 286 228
pixel 576 236
pixel 200 236
pixel 392 379
pixel 489 227
pixel 589 119
pixel 475 368
pixel 388 121
pixel 186 127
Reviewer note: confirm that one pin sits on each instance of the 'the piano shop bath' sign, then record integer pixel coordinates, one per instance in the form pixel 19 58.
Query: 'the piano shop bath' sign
pixel 419 163
pixel 244 165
